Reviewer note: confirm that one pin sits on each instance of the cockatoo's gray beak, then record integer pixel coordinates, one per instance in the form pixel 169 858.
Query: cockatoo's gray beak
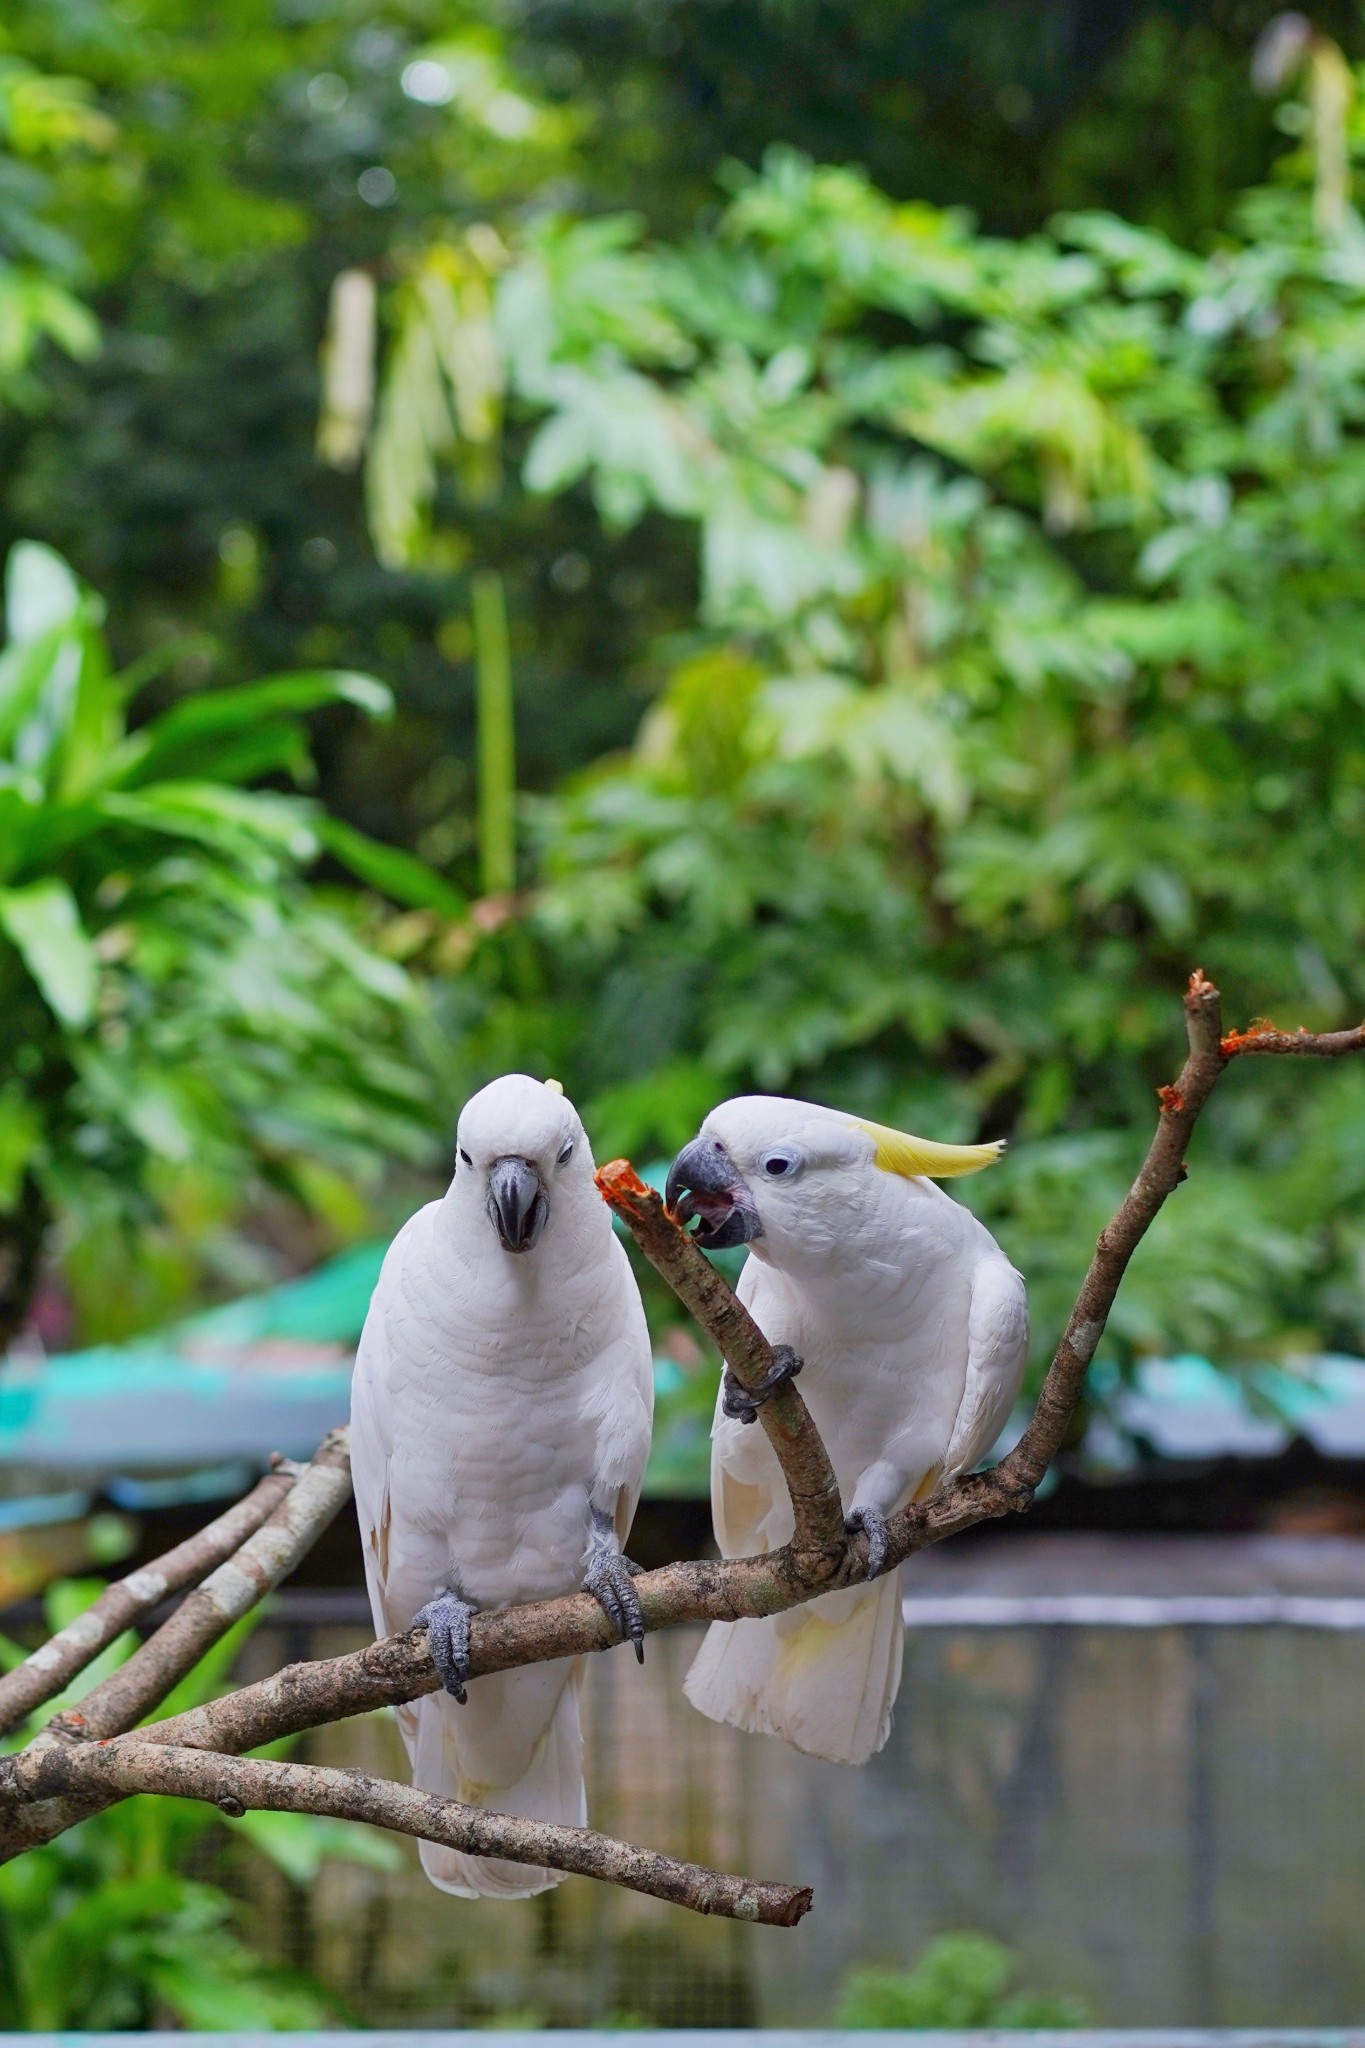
pixel 704 1182
pixel 517 1203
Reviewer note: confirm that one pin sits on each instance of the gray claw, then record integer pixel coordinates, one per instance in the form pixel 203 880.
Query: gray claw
pixel 608 1577
pixel 610 1580
pixel 742 1403
pixel 446 1620
pixel 870 1522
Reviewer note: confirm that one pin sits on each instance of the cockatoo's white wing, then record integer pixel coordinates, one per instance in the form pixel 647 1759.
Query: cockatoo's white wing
pixel 370 1455
pixel 372 1440
pixel 750 1506
pixel 622 1407
pixel 997 1352
pixel 824 1676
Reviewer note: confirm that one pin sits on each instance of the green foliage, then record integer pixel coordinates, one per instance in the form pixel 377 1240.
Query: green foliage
pixel 961 1980
pixel 1023 665
pixel 178 471
pixel 1026 674
pixel 194 1025
pixel 45 123
pixel 103 1928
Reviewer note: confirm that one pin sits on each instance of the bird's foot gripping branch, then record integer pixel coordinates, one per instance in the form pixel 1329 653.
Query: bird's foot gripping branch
pixel 87 1759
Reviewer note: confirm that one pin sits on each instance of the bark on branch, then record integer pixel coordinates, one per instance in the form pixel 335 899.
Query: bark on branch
pixel 269 1553
pixel 396 1669
pixel 51 1669
pixel 1318 1045
pixel 254 1569
pixel 236 1784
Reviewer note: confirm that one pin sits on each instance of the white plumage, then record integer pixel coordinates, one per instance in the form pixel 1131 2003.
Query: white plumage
pixel 500 1396
pixel 913 1329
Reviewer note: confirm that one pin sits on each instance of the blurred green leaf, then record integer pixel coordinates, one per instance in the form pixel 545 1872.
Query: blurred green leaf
pixel 390 869
pixel 960 1981
pixel 189 738
pixel 299 1843
pixel 1024 673
pixel 20 1130
pixel 42 921
pixel 41 594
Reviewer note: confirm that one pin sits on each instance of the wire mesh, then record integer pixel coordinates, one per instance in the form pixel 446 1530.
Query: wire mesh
pixel 1164 1823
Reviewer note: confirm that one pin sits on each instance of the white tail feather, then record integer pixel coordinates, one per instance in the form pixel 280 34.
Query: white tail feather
pixel 517 1747
pixel 823 1677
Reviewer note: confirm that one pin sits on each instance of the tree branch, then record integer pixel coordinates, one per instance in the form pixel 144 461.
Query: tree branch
pixel 313 1503
pixel 398 1668
pixel 1010 1486
pixel 51 1669
pixel 235 1784
pixel 819 1542
pixel 268 1555
pixel 1319 1045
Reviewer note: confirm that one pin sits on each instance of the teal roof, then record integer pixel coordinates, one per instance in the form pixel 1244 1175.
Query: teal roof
pixel 1185 1408
pixel 269 1372
pixel 326 1306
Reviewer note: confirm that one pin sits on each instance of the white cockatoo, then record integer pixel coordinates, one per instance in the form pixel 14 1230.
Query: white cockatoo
pixel 500 1424
pixel 909 1327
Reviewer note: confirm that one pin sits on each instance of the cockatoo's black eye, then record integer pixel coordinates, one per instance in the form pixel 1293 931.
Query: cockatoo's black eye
pixel 565 1153
pixel 780 1165
pixel 465 1159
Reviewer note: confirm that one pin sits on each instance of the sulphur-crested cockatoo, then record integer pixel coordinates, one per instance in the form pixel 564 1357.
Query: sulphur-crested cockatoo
pixel 500 1424
pixel 910 1329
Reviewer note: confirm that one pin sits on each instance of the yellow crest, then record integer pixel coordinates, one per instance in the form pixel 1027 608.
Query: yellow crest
pixel 555 1087
pixel 898 1152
